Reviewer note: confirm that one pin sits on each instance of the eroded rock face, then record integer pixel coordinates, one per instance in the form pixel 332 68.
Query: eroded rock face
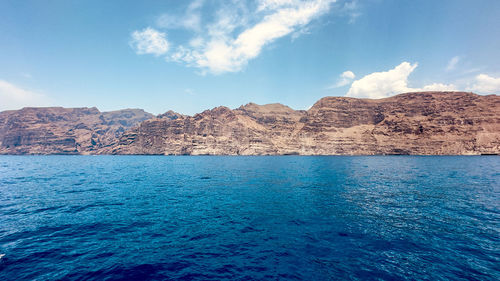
pixel 412 123
pixel 57 130
pixel 248 130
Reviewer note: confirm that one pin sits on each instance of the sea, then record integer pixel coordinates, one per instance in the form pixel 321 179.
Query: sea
pixel 249 217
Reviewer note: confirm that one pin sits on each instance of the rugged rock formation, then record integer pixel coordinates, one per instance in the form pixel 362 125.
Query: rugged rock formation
pixel 57 130
pixel 412 123
pixel 248 130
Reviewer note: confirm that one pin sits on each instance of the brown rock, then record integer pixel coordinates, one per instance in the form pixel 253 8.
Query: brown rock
pixel 412 123
pixel 57 130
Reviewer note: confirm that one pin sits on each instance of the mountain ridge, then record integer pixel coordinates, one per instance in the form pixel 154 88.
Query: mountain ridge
pixel 59 130
pixel 427 123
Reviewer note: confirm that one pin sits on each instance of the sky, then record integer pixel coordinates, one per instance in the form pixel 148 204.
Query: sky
pixel 193 55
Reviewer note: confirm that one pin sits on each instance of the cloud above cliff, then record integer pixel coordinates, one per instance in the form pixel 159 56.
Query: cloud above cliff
pixel 388 83
pixel 452 64
pixel 236 33
pixel 190 20
pixel 485 84
pixel 14 97
pixel 383 84
pixel 344 79
pixel 149 41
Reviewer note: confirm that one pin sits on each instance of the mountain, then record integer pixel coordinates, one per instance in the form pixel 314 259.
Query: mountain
pixel 412 123
pixel 439 123
pixel 57 130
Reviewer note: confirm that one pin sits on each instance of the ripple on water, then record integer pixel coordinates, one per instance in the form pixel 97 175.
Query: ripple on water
pixel 249 218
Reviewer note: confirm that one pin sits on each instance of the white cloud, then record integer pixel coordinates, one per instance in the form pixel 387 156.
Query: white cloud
pixel 223 51
pixel 14 97
pixel 300 32
pixel 383 84
pixel 344 79
pixel 149 41
pixel 237 35
pixel 395 81
pixel 274 4
pixel 191 20
pixel 196 42
pixel 452 64
pixel 351 9
pixel 348 74
pixel 437 87
pixel 485 84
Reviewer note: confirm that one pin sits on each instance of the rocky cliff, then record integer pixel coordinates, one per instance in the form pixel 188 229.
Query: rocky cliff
pixel 412 123
pixel 57 130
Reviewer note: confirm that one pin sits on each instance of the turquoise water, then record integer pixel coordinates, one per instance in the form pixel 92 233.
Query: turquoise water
pixel 249 218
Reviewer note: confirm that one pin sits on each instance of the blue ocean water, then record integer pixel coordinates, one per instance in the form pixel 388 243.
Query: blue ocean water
pixel 249 218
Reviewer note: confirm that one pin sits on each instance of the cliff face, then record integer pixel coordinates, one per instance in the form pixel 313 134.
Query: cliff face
pixel 412 123
pixel 57 130
pixel 248 130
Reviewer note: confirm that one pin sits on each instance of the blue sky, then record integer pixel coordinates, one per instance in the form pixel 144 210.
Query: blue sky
pixel 189 56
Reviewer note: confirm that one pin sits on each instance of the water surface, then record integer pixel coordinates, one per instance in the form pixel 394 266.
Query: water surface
pixel 249 218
